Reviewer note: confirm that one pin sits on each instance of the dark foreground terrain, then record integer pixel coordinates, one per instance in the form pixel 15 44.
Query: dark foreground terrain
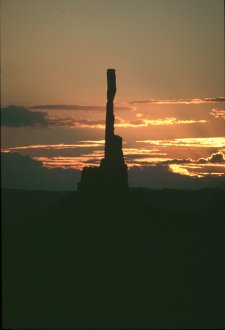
pixel 152 259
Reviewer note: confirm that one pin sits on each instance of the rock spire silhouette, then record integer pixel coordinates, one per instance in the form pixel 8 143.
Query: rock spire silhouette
pixel 112 174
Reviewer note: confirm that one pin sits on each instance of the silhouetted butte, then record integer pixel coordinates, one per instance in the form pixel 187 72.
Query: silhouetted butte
pixel 111 175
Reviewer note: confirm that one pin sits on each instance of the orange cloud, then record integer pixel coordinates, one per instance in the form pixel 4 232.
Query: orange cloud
pixel 181 101
pixel 157 122
pixel 218 113
pixel 61 146
pixel 71 162
pixel 85 123
pixel 211 142
pixel 100 124
pixel 73 107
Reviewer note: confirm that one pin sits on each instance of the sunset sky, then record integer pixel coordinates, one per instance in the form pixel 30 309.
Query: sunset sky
pixel 169 106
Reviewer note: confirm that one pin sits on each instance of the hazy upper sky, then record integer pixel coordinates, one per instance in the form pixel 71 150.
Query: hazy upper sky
pixel 58 51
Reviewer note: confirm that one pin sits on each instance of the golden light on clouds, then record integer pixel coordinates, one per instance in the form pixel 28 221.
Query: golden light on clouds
pixel 71 162
pixel 198 170
pixel 61 162
pixel 175 168
pixel 157 122
pixel 211 142
pixel 61 146
pixel 142 151
pixel 123 123
pixel 157 153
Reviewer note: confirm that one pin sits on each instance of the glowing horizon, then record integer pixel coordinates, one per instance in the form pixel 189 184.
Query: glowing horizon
pixel 159 154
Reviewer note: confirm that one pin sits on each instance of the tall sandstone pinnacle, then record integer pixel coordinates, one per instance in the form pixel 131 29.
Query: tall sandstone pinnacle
pixel 111 175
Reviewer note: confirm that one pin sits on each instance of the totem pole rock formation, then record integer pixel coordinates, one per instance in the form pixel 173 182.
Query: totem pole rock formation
pixel 112 174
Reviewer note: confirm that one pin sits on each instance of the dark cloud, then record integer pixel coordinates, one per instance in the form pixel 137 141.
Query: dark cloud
pixel 181 101
pixel 156 177
pixel 22 172
pixel 133 156
pixel 176 161
pixel 18 116
pixel 217 157
pixel 159 177
pixel 77 107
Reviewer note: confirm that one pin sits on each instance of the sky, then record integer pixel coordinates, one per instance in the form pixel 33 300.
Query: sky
pixel 169 106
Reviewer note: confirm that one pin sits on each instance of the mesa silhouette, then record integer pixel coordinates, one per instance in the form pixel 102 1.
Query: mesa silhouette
pixel 111 175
